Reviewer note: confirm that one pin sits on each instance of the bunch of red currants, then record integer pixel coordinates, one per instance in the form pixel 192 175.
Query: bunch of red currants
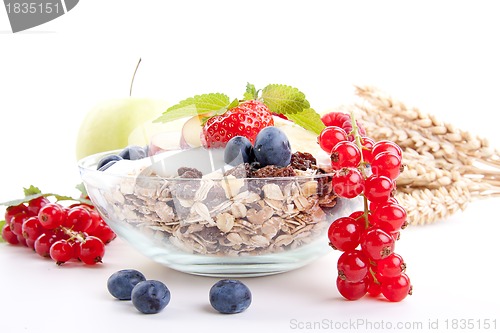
pixel 367 238
pixel 62 233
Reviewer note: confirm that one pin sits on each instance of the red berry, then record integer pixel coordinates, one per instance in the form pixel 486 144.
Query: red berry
pixel 342 120
pixel 34 205
pixel 92 250
pixel 79 218
pixel 335 118
pixel 367 145
pixel 104 233
pixel 395 289
pixel 378 188
pixel 389 146
pixel 16 223
pixel 391 266
pixel 330 136
pixel 345 154
pixel 374 289
pixel 13 210
pixel 8 235
pixel 352 266
pixel 348 183
pixel 43 243
pixel 352 290
pixel 32 228
pixel 61 251
pixel 389 217
pixel 375 205
pixel 344 233
pixel 51 215
pixel 377 244
pixel 246 119
pixel 386 164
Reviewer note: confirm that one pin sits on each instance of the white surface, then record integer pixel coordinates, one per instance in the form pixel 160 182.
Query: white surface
pixel 439 56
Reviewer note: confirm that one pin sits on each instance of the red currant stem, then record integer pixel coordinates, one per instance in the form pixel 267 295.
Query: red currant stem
pixel 74 234
pixel 133 77
pixel 372 273
pixel 362 167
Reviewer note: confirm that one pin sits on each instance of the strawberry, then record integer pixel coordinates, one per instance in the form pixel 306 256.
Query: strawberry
pixel 246 119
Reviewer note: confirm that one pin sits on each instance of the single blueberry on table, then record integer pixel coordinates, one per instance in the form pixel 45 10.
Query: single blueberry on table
pixel 121 283
pixel 108 161
pixel 238 150
pixel 133 153
pixel 272 147
pixel 230 296
pixel 150 296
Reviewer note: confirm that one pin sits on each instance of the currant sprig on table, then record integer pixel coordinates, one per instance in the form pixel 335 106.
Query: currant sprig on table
pixel 367 238
pixel 57 231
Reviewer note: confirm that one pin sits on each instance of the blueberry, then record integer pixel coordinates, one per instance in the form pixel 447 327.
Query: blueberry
pixel 238 150
pixel 272 147
pixel 121 283
pixel 133 153
pixel 103 162
pixel 150 296
pixel 230 296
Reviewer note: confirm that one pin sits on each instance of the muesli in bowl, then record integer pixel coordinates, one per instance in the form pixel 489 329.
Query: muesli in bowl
pixel 243 190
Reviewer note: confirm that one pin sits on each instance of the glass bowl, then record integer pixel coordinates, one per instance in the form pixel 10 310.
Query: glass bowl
pixel 220 224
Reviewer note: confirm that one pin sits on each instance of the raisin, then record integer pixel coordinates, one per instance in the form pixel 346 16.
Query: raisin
pixel 303 161
pixel 185 172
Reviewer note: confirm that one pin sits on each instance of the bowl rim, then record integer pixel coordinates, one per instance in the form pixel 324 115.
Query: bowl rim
pixel 83 165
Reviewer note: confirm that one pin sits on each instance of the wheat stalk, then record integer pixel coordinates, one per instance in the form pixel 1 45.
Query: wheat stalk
pixel 445 167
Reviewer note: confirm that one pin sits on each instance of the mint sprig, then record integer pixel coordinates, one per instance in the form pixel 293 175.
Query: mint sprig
pixel 279 98
pixel 2 223
pixel 284 99
pixel 212 104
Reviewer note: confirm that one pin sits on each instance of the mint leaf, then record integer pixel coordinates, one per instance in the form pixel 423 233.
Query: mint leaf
pixel 284 99
pixel 2 223
pixel 80 187
pixel 213 104
pixel 31 190
pixel 308 119
pixel 251 93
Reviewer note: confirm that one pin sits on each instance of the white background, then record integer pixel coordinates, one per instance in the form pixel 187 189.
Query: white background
pixel 441 57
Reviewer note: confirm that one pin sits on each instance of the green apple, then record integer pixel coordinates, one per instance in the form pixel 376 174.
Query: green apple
pixel 108 125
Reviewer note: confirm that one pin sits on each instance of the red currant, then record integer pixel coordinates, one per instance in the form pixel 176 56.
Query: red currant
pixel 16 223
pixel 8 235
pixel 104 233
pixel 389 146
pixel 377 244
pixel 395 289
pixel 391 266
pixel 344 233
pixel 352 290
pixel 348 183
pixel 51 215
pixel 386 164
pixel 79 218
pixel 345 154
pixel 91 250
pixel 13 210
pixel 43 243
pixel 32 229
pixel 390 217
pixel 34 205
pixel 352 266
pixel 61 251
pixel 367 145
pixel 378 188
pixel 330 136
